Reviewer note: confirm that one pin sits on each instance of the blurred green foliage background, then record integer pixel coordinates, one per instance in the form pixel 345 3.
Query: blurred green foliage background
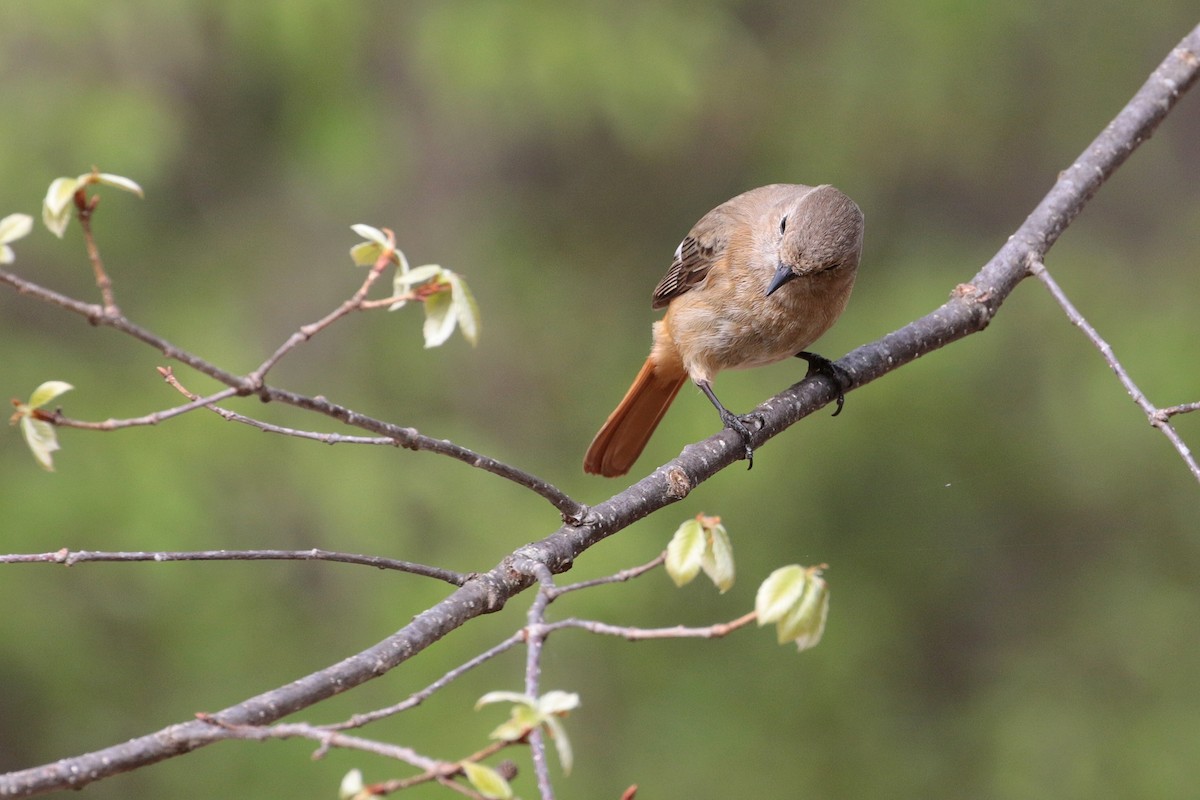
pixel 1014 555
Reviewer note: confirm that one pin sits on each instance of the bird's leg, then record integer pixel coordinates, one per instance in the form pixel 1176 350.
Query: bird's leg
pixel 730 420
pixel 820 365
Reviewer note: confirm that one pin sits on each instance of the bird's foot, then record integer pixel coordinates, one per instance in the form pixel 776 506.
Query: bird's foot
pixel 731 420
pixel 738 424
pixel 820 365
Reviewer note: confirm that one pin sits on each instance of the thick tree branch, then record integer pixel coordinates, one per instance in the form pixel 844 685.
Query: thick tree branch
pixel 969 310
pixel 971 306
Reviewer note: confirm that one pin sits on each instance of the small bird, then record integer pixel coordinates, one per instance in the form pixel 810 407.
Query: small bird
pixel 757 279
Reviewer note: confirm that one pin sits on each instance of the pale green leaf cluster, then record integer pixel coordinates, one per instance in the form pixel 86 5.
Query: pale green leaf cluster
pixel 56 207
pixel 13 227
pixel 701 544
pixel 796 599
pixel 448 300
pixel 529 713
pixel 39 434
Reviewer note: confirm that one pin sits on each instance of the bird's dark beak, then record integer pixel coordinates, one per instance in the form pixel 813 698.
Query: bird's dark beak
pixel 783 274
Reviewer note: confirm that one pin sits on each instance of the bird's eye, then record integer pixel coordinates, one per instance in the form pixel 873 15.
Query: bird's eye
pixel 783 225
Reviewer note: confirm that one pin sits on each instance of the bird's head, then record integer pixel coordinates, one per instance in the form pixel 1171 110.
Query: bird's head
pixel 818 230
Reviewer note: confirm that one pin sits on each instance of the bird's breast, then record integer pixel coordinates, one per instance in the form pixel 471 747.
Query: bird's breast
pixel 732 325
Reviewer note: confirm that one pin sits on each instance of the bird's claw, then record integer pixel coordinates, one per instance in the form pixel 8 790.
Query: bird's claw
pixel 820 365
pixel 738 424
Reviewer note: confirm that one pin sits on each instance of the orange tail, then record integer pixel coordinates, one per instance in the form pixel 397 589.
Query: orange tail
pixel 620 441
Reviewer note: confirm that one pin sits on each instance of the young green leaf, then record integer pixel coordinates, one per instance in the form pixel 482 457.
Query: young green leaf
pixel 116 181
pixel 465 307
pixel 504 697
pixel 779 593
pixel 557 702
pixel 439 319
pixel 805 624
pixel 717 561
pixel 551 706
pixel 521 720
pixel 352 784
pixel 365 254
pixel 13 227
pixel 685 552
pixel 371 234
pixel 487 781
pixel 42 440
pixel 566 756
pixel 47 392
pixel 56 207
pixel 406 280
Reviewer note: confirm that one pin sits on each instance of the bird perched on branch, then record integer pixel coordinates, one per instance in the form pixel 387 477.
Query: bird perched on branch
pixel 757 279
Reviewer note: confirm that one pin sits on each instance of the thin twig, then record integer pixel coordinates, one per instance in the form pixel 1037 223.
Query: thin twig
pixel 96 315
pixel 442 775
pixel 155 418
pixel 353 303
pixel 619 577
pixel 396 436
pixel 86 207
pixel 267 427
pixel 415 699
pixel 535 638
pixel 1157 417
pixel 70 558
pixel 641 634
pixel 1171 411
pixel 327 739
pixel 431 769
pixel 572 511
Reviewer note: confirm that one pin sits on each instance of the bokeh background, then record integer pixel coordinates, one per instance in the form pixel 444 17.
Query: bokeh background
pixel 1014 553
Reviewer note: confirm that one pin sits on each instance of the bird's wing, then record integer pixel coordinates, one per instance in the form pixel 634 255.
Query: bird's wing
pixel 693 258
